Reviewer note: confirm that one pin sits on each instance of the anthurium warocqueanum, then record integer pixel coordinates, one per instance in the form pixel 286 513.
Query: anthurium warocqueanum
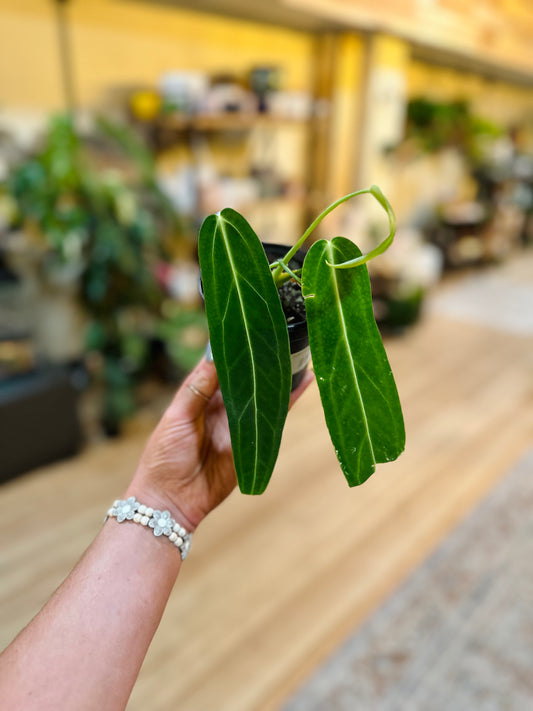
pixel 250 344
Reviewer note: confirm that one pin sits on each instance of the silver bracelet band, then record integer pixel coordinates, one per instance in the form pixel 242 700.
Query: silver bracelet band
pixel 160 522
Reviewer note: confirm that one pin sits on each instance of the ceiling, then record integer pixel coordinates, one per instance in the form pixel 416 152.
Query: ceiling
pixel 274 12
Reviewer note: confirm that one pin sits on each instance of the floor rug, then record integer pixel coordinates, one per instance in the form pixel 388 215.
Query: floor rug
pixel 500 297
pixel 458 634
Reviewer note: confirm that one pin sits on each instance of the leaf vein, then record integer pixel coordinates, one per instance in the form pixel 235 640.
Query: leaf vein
pixel 338 304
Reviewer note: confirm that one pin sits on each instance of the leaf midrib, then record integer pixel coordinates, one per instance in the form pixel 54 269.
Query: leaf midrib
pixel 222 223
pixel 331 255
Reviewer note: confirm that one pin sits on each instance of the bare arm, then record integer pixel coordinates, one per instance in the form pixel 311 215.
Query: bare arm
pixel 86 646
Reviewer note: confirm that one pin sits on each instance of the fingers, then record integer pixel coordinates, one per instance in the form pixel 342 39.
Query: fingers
pixel 196 390
pixel 302 387
pixel 202 383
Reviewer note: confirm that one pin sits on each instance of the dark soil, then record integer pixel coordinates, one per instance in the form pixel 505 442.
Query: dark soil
pixel 292 301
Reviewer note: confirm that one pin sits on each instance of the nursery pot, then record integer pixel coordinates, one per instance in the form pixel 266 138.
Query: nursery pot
pixel 297 328
pixel 298 336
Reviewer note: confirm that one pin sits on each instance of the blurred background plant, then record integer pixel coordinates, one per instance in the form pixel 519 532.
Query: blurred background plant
pixel 435 125
pixel 104 230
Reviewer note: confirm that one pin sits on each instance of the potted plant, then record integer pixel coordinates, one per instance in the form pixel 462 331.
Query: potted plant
pixel 251 351
pixel 109 232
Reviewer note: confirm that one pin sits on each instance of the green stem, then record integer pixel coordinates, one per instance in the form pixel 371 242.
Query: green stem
pixel 383 246
pixel 289 273
pixel 378 195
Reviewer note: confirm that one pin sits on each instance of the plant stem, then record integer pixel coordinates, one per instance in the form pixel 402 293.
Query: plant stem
pixel 287 273
pixel 378 195
pixel 384 245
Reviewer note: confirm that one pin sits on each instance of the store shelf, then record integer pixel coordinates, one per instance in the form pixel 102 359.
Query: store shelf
pixel 257 163
pixel 228 121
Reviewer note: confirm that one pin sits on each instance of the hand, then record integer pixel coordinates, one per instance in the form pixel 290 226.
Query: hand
pixel 187 466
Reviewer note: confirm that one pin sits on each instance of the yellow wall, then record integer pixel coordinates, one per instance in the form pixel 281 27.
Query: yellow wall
pixel 122 43
pixel 119 43
pixel 346 113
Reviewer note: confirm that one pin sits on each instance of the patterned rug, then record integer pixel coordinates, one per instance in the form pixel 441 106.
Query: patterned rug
pixel 458 635
pixel 499 297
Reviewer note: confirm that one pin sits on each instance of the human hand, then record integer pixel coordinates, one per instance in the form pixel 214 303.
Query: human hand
pixel 187 466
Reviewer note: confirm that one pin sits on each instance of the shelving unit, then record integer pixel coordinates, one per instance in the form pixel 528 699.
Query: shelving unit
pixel 228 121
pixel 253 162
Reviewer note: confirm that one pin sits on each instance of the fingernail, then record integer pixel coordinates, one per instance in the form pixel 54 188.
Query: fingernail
pixel 209 353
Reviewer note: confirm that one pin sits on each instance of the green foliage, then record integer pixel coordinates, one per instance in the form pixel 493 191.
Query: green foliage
pixel 357 388
pixel 436 125
pixel 250 343
pixel 114 233
pixel 251 352
pixel 183 332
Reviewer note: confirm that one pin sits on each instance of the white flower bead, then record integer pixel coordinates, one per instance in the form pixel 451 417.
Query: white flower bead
pixel 161 522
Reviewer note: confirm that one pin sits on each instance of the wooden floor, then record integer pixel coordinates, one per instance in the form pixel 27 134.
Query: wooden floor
pixel 275 583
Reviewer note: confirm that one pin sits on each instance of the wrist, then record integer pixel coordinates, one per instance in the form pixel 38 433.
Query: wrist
pixel 151 496
pixel 137 544
pixel 161 522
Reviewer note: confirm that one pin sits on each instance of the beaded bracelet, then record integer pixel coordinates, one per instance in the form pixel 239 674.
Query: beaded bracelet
pixel 160 521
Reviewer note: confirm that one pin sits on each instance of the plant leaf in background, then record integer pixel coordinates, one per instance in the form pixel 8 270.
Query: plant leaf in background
pixel 250 343
pixel 357 388
pixel 107 227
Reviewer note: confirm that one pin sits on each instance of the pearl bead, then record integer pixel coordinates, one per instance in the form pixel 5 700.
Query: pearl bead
pixel 182 531
pixel 149 511
pixel 173 536
pixel 144 520
pixel 176 527
pixel 178 541
pixel 137 518
pixel 142 509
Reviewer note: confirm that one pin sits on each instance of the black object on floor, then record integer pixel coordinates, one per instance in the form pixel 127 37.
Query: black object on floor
pixel 39 421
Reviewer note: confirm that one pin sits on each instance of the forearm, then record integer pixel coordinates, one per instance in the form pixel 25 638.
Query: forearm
pixel 86 646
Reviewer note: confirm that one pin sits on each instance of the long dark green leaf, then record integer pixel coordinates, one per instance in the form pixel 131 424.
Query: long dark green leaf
pixel 357 388
pixel 250 343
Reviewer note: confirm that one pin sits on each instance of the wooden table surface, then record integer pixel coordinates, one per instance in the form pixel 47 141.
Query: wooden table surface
pixel 275 583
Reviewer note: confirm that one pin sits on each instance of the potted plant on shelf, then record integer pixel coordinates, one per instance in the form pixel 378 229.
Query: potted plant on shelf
pixel 249 338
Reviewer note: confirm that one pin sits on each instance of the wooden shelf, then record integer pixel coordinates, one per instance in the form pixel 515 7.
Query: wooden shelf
pixel 259 148
pixel 230 121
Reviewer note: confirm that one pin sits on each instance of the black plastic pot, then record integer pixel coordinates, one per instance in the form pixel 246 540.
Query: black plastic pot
pixel 298 336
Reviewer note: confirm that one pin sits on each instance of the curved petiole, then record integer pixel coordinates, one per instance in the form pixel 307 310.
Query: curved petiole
pixel 375 191
pixel 383 246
